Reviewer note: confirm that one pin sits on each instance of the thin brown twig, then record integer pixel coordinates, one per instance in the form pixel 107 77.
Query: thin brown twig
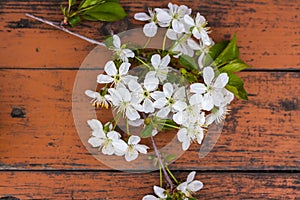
pixel 158 155
pixel 60 27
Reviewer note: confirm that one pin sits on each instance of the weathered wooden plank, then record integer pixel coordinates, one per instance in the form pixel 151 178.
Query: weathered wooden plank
pixel 268 32
pixel 115 185
pixel 262 133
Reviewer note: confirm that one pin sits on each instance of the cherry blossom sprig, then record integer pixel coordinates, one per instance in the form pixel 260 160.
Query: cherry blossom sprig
pixel 186 86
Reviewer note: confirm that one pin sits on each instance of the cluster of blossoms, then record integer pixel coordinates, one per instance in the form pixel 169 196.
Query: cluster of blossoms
pixel 153 99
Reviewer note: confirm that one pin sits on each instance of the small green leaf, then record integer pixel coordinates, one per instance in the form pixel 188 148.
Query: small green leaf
pixel 108 11
pixel 72 2
pixel 231 52
pixel 109 41
pixel 63 10
pixel 236 86
pixel 214 52
pixel 170 157
pixel 87 3
pixel 74 20
pixel 147 131
pixel 188 62
pixel 234 66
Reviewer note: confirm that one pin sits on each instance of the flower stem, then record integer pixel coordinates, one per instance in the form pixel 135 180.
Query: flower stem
pixel 171 126
pixel 160 176
pixel 58 26
pixel 127 127
pixel 142 62
pixel 158 155
pixel 171 174
pixel 146 44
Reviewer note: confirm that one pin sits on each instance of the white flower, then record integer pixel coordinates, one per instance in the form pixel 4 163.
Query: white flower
pixel 100 139
pixel 169 100
pixel 214 88
pixel 143 94
pixel 134 148
pixel 198 28
pixel 98 100
pixel 160 66
pixel 150 29
pixel 124 103
pixel 121 51
pixel 173 16
pixel 190 186
pixel 217 114
pixel 192 132
pixel 114 75
pixel 180 44
pixel 190 113
pixel 160 192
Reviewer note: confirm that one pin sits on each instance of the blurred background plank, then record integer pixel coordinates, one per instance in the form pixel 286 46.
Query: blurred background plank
pixel 117 185
pixel 268 31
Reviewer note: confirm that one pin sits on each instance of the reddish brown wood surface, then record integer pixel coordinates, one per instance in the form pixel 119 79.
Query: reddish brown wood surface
pixel 42 156
pixel 114 185
pixel 268 32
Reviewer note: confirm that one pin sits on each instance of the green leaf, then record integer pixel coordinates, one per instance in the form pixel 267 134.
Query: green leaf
pixel 108 11
pixel 147 131
pixel 63 10
pixel 74 20
pixel 188 62
pixel 170 157
pixel 234 66
pixel 109 41
pixel 87 3
pixel 214 52
pixel 236 86
pixel 231 52
pixel 72 2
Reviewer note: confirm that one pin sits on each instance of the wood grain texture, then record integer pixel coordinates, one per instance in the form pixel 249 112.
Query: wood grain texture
pixel 262 133
pixel 116 185
pixel 268 32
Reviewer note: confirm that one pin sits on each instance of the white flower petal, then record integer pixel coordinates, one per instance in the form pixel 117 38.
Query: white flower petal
pixel 198 88
pixel 155 60
pixel 132 155
pixel 182 187
pixel 179 117
pixel 172 35
pixel 101 78
pixel 120 147
pixel 192 44
pixel 177 26
pixel 159 192
pixel 141 148
pixel 208 75
pixel 142 17
pixel 95 141
pixel 196 33
pixel 150 29
pixel 195 186
pixel 150 197
pixel 132 114
pixel 207 103
pixel 221 80
pixel 116 41
pixel 110 68
pixel 108 149
pixel 164 17
pixel 182 134
pixel 160 103
pixel 196 99
pixel 168 90
pixel 157 95
pixel 204 37
pixel 95 124
pixel 151 83
pixel 201 60
pixel 188 20
pixel 191 177
pixel 148 106
pixel 165 60
pixel 128 53
pixel 92 94
pixel 134 139
pixel 163 113
pixel 134 86
pixel 124 68
pixel 125 94
pixel 179 105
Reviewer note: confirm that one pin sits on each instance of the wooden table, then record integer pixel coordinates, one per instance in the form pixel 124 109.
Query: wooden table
pixel 41 155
